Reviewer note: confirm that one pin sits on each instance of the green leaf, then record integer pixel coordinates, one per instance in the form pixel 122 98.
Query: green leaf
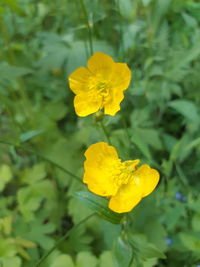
pixel 29 135
pixel 193 144
pixel 38 231
pixel 11 261
pixel 151 251
pixel 179 152
pixel 190 21
pixel 56 111
pixel 77 210
pixel 122 252
pixel 5 176
pixel 196 222
pixel 2 10
pixel 79 240
pixel 180 62
pixel 141 144
pixel 85 259
pixel 30 198
pixel 125 8
pixel 195 205
pixel 146 2
pixel 6 225
pixel 145 249
pixel 187 108
pixel 34 174
pixel 190 241
pixel 106 259
pixel 62 260
pixel 9 72
pixel 13 6
pixel 174 216
pixel 150 137
pixel 100 205
pixel 7 248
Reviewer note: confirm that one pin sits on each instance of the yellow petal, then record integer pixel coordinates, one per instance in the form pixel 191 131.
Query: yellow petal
pixel 118 82
pixel 146 178
pixel 100 63
pixel 79 80
pixel 87 103
pixel 120 77
pixel 127 197
pixel 112 105
pixel 100 168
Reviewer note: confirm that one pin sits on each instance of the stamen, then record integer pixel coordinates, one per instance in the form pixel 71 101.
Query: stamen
pixel 125 172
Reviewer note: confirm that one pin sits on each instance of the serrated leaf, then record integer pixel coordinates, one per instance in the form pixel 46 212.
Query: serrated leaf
pixel 79 239
pixel 30 198
pixel 34 174
pixel 37 231
pixel 100 205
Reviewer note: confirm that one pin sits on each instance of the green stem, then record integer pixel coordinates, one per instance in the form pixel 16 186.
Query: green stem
pixel 88 25
pixel 120 27
pixel 44 158
pixel 105 132
pixel 63 238
pixel 126 130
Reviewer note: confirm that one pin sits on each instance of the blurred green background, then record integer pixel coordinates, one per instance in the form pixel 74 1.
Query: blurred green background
pixel 42 141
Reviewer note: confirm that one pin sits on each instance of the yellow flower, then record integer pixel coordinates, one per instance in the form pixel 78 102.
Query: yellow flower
pixel 99 85
pixel 123 182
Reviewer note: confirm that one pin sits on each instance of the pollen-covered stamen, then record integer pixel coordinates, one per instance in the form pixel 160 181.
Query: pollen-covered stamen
pixel 99 87
pixel 125 172
pixel 102 88
pixel 103 91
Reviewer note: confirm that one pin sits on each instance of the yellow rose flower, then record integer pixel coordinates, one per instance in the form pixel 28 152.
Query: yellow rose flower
pixel 123 182
pixel 99 85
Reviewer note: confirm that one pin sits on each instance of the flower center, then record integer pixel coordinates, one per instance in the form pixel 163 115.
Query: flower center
pixel 102 88
pixel 125 171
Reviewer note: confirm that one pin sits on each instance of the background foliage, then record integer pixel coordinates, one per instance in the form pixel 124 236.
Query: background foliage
pixel 43 141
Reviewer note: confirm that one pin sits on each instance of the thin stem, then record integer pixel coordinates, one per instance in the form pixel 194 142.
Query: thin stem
pixel 85 41
pixel 126 130
pixel 105 132
pixel 88 25
pixel 120 27
pixel 63 238
pixel 44 158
